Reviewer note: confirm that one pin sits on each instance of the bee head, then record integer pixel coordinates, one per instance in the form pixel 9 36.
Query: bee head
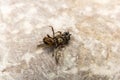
pixel 67 35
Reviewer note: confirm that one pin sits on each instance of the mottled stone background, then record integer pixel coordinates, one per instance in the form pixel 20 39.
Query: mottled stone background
pixel 92 54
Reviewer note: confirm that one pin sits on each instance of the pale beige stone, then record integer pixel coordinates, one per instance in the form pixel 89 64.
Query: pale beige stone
pixel 92 54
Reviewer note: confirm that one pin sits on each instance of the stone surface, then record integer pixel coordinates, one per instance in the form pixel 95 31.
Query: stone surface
pixel 92 54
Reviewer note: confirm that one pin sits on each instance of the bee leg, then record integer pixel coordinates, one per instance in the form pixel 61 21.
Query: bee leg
pixel 52 31
pixel 59 32
pixel 56 43
pixel 57 57
pixel 53 54
pixel 48 35
pixel 39 45
pixel 57 60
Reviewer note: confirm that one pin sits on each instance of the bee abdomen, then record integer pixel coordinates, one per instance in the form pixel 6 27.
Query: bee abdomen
pixel 48 41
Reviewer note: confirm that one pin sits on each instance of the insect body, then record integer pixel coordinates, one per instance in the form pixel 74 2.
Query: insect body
pixel 57 41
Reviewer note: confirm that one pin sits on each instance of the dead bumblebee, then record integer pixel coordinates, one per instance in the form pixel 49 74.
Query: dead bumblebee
pixel 57 41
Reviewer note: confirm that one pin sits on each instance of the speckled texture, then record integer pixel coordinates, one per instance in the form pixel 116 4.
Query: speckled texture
pixel 93 51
